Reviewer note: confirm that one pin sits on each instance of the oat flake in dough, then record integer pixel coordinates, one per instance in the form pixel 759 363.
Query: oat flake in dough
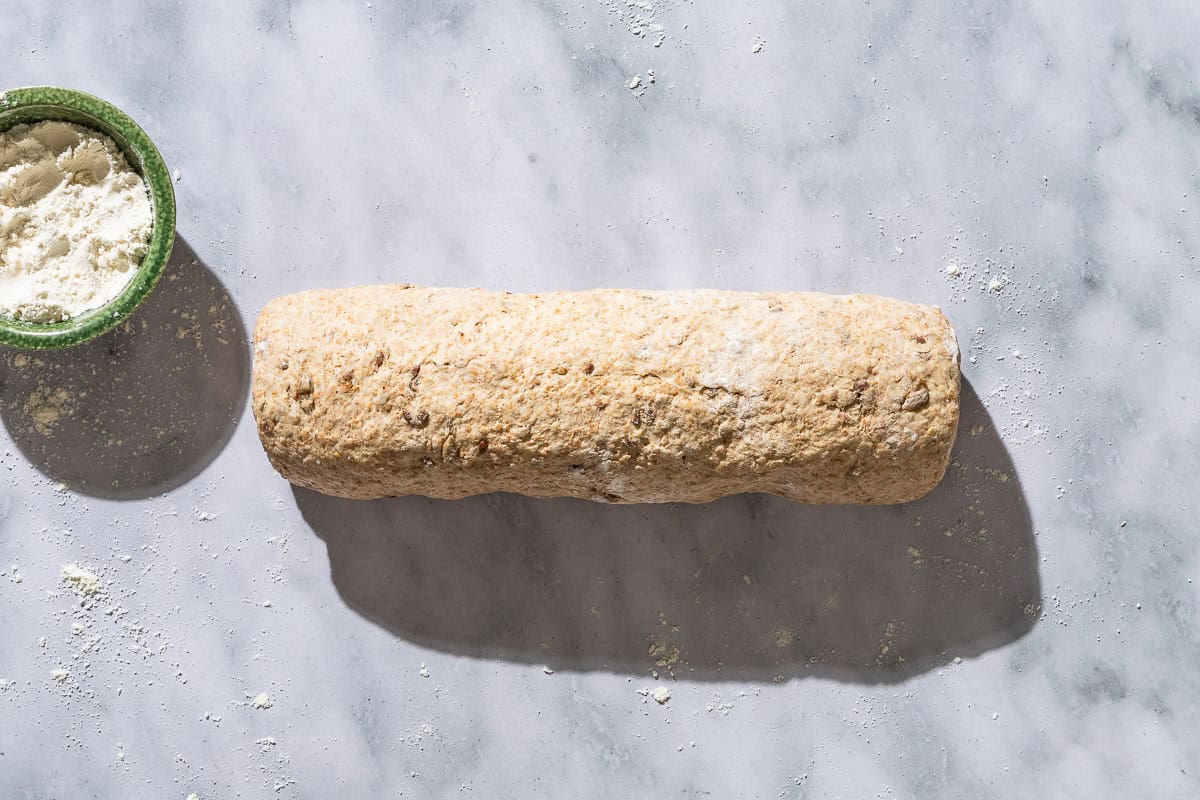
pixel 75 219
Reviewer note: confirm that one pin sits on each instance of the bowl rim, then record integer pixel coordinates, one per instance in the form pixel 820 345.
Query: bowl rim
pixel 42 103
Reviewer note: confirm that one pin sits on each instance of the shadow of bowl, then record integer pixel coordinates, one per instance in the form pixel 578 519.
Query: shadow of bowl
pixel 750 587
pixel 143 408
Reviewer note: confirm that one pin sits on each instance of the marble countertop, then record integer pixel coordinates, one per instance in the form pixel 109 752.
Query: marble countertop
pixel 1029 629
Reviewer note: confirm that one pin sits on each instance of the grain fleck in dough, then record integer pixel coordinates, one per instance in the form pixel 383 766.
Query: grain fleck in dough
pixel 612 395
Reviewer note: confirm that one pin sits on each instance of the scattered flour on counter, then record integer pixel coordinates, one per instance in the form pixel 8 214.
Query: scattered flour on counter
pixel 782 636
pixel 204 516
pixel 424 671
pixel 424 732
pixel 953 269
pixel 724 705
pixel 997 283
pixel 262 700
pixel 83 582
pixel 759 44
pixel 638 85
pixel 661 695
pixel 639 18
pixel 665 654
pixel 75 220
pixel 265 743
pixel 60 675
pixel 718 705
pixel 548 670
pixel 46 406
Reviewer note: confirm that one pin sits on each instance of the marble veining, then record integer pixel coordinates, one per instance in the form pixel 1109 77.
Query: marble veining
pixel 1028 629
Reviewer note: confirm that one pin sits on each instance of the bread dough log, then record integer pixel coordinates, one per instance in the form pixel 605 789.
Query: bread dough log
pixel 613 395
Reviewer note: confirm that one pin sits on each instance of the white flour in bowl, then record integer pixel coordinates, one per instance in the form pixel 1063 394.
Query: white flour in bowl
pixel 74 221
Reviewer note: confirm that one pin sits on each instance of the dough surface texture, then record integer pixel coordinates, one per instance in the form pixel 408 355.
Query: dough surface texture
pixel 611 395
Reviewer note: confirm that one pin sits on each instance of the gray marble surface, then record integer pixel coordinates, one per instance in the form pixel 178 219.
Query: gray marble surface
pixel 1030 629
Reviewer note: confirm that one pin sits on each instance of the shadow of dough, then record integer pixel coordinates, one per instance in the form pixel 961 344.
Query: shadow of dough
pixel 143 408
pixel 750 587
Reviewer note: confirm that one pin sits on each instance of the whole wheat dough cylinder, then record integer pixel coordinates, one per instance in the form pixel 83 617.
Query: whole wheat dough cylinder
pixel 612 395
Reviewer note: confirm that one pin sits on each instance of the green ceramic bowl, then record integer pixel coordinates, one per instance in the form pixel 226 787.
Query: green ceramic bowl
pixel 38 103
